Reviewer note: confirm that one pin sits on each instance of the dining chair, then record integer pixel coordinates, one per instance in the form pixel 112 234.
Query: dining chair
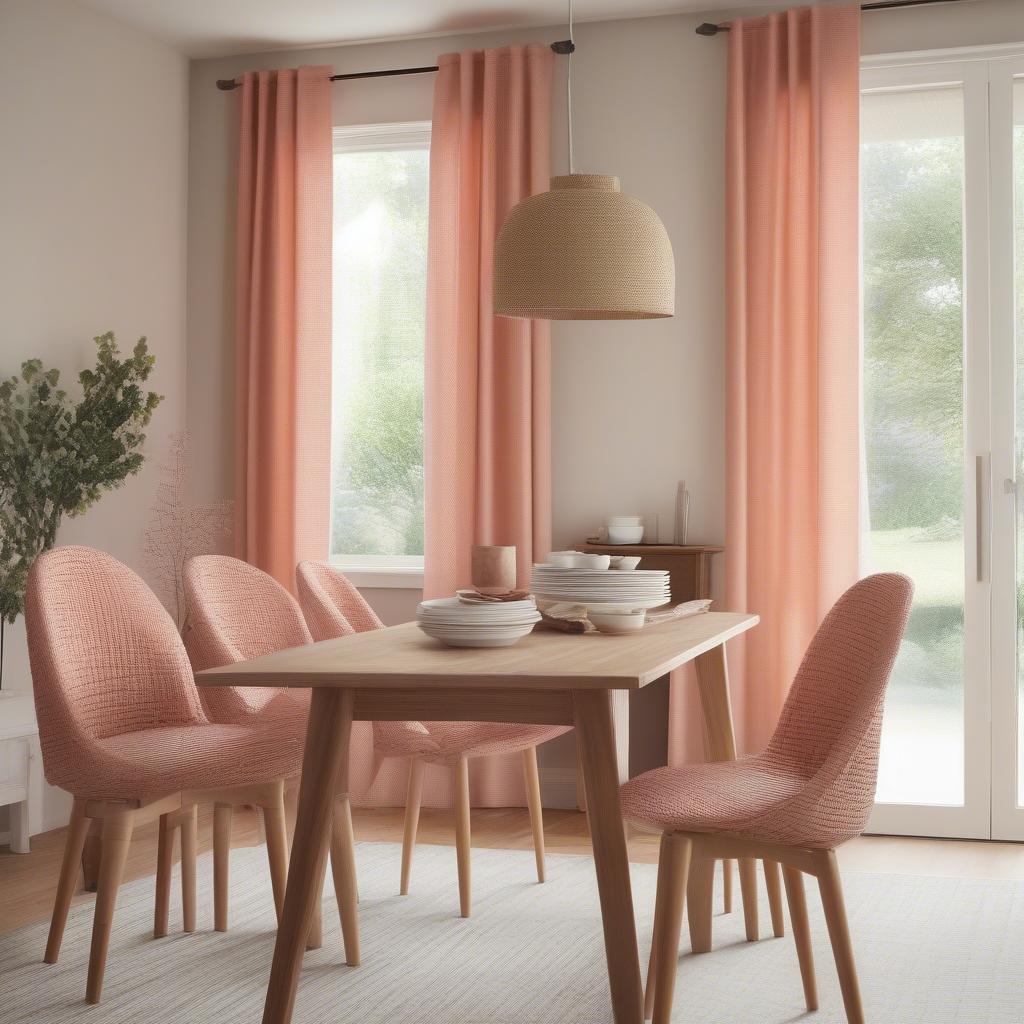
pixel 810 790
pixel 236 612
pixel 333 607
pixel 122 729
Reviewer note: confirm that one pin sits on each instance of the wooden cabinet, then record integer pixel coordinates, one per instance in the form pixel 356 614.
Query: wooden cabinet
pixel 688 566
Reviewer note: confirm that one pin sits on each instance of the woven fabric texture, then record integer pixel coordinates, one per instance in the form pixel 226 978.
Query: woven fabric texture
pixel 119 715
pixel 235 612
pixel 814 785
pixel 333 608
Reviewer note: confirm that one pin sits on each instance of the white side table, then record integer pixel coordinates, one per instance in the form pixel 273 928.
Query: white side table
pixel 19 766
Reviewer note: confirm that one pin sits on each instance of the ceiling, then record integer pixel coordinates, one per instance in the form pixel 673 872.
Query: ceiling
pixel 210 28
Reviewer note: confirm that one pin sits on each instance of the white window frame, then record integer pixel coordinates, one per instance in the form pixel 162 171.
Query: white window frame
pixel 403 572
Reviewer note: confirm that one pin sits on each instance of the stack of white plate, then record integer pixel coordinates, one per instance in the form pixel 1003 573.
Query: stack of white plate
pixel 472 624
pixel 602 588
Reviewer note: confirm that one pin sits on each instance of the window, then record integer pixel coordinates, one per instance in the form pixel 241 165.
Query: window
pixel 379 300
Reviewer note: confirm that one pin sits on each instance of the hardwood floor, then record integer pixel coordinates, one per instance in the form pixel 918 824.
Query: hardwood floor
pixel 28 881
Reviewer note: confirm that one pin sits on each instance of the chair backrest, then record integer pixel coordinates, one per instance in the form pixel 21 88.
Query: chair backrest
pixel 830 726
pixel 331 604
pixel 235 612
pixel 106 657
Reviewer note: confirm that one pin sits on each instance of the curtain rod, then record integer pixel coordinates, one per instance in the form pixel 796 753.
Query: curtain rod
pixel 709 28
pixel 562 46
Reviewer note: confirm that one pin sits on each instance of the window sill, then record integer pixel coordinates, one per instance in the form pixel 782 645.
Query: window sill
pixel 372 577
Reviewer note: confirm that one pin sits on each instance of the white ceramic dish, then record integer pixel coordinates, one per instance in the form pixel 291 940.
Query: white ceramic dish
pixel 625 534
pixel 617 622
pixel 624 563
pixel 625 521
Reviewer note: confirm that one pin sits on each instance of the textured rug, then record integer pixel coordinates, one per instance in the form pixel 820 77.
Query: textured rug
pixel 930 951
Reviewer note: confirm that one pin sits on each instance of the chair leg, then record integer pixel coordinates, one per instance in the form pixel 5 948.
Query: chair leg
pixel 91 855
pixel 189 835
pixel 276 831
pixel 773 883
pixel 727 886
pixel 831 887
pixel 74 842
pixel 117 837
pixel 413 796
pixel 532 780
pixel 748 887
pixel 164 866
pixel 462 834
pixel 698 902
pixel 679 849
pixel 343 869
pixel 222 818
pixel 801 933
pixel 659 903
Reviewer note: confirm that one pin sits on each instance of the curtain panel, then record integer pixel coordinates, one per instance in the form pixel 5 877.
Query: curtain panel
pixel 283 320
pixel 793 341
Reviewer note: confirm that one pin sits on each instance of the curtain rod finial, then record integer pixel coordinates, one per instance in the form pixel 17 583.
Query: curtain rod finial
pixel 226 84
pixel 708 28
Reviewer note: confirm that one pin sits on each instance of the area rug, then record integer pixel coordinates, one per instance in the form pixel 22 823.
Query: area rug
pixel 929 950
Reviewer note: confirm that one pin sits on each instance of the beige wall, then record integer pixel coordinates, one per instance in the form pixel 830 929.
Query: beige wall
pixel 93 182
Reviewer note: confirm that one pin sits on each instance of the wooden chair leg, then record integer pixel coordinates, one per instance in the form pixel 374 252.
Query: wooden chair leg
pixel 164 867
pixel 831 887
pixel 343 869
pixel 773 883
pixel 276 831
pixel 117 837
pixel 727 886
pixel 91 852
pixel 679 849
pixel 222 818
pixel 532 779
pixel 801 933
pixel 413 796
pixel 581 787
pixel 748 887
pixel 659 903
pixel 698 902
pixel 462 834
pixel 74 842
pixel 189 834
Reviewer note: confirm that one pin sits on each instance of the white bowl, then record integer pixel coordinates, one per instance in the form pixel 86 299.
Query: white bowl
pixel 625 521
pixel 617 622
pixel 625 563
pixel 625 534
pixel 566 559
pixel 593 561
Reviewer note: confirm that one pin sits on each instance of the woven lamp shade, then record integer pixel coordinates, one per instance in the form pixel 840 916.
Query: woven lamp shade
pixel 583 251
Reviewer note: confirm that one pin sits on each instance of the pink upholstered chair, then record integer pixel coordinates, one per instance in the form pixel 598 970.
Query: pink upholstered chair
pixel 236 612
pixel 808 792
pixel 333 608
pixel 122 729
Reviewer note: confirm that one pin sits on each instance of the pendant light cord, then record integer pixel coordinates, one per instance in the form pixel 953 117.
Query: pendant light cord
pixel 568 91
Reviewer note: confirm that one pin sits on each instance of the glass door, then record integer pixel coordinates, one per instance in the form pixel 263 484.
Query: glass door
pixel 924 215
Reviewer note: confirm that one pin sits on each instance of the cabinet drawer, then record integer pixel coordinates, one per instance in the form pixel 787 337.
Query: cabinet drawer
pixel 13 769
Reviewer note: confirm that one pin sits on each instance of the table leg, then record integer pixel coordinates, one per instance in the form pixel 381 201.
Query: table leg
pixel 720 740
pixel 595 734
pixel 327 740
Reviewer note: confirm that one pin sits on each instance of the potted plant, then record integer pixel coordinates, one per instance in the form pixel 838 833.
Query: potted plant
pixel 58 456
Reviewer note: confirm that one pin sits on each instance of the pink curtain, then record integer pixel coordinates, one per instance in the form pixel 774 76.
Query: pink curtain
pixel 487 394
pixel 793 349
pixel 283 320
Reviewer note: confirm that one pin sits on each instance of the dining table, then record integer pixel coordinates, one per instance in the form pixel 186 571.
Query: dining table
pixel 547 678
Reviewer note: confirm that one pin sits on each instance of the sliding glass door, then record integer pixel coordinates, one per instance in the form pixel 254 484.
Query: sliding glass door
pixel 942 168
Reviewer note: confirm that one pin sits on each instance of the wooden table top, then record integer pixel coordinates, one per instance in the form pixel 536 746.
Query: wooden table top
pixel 403 656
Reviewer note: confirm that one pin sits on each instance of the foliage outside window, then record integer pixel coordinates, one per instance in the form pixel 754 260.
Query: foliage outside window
pixel 380 260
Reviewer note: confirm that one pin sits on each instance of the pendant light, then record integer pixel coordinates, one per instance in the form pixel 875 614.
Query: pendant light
pixel 583 251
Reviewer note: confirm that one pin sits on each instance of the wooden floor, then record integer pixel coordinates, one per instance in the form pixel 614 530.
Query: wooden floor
pixel 27 881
